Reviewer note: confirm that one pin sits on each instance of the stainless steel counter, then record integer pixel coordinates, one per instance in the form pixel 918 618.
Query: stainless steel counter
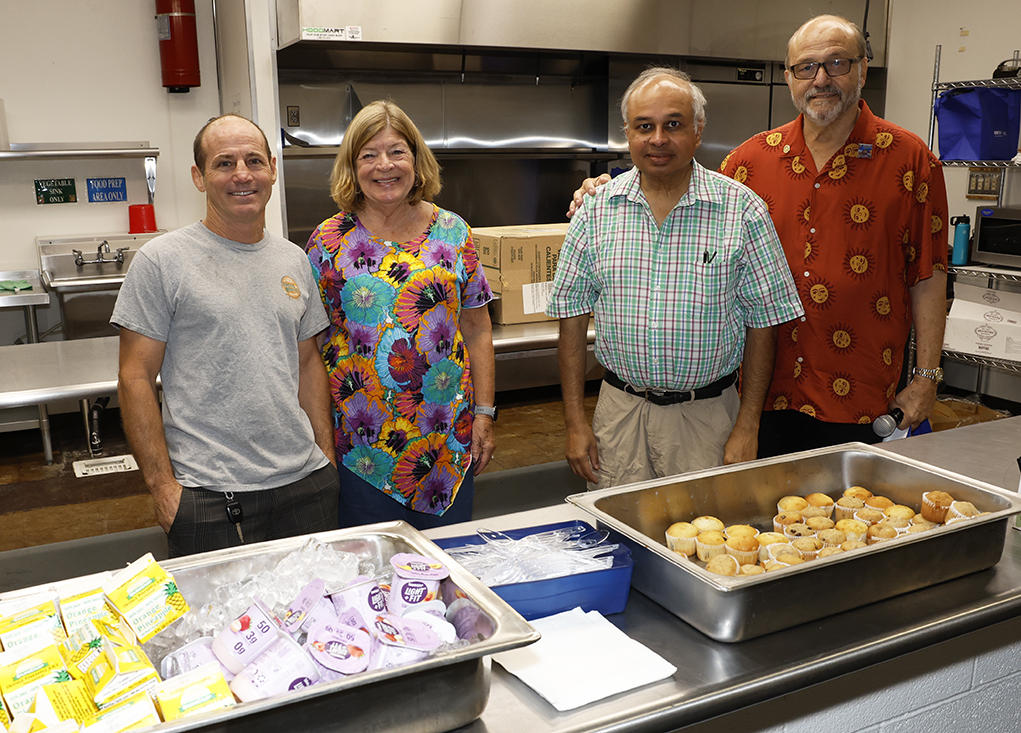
pixel 715 678
pixel 54 370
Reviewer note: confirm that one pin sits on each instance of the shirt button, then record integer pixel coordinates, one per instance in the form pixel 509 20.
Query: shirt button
pixel 803 319
pixel 801 359
pixel 787 148
pixel 818 185
pixel 812 230
pixel 807 273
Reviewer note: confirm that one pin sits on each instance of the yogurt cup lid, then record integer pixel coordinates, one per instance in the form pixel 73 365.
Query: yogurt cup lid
pixel 440 626
pixel 301 606
pixel 340 648
pixel 408 565
pixel 407 632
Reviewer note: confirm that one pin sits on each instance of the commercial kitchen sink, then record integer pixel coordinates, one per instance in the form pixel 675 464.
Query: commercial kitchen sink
pixel 86 272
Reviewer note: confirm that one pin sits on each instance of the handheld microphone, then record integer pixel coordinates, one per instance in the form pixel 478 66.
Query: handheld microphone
pixel 884 425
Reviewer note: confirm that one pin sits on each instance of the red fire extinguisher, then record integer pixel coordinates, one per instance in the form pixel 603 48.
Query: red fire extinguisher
pixel 179 48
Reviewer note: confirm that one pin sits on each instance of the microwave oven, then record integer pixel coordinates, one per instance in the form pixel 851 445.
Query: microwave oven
pixel 997 236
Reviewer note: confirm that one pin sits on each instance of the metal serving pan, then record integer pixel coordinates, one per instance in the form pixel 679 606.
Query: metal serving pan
pixel 438 694
pixel 735 609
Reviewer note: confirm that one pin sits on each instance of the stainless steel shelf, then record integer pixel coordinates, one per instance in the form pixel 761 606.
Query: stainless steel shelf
pixel 1011 82
pixel 987 273
pixel 1013 367
pixel 980 164
pixel 69 151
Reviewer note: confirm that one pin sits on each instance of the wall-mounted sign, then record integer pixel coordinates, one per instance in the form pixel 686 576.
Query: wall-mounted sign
pixel 107 189
pixel 55 191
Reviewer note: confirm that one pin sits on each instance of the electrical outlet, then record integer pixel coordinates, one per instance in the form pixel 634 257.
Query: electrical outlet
pixel 293 117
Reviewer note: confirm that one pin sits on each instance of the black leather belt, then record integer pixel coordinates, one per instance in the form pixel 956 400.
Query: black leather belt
pixel 714 389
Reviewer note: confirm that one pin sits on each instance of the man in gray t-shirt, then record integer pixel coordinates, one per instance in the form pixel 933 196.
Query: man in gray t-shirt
pixel 227 315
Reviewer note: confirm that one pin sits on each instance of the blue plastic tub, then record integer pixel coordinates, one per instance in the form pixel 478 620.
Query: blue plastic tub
pixel 605 591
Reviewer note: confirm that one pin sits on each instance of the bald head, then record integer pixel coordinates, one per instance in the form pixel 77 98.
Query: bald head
pixel 825 24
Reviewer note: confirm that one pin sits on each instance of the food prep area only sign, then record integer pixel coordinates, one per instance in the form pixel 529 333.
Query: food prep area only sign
pixel 55 191
pixel 102 190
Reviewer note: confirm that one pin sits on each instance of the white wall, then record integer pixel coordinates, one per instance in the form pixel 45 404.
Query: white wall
pixel 916 28
pixel 89 71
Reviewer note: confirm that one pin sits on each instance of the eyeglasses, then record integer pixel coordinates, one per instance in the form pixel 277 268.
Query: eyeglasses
pixel 834 67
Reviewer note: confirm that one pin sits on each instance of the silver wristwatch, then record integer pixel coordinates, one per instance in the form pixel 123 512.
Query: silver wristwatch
pixel 935 375
pixel 482 410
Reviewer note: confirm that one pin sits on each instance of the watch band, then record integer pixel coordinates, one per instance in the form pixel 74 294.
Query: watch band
pixel 483 410
pixel 935 375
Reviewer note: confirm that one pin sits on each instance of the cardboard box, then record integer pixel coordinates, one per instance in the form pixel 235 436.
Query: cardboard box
pixel 984 323
pixel 520 262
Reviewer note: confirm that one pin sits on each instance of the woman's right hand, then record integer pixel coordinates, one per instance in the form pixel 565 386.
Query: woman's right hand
pixel 588 187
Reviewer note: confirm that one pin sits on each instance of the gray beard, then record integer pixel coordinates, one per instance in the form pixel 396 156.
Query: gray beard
pixel 824 119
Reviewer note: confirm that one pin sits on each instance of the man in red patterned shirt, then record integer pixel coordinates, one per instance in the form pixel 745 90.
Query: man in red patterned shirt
pixel 860 207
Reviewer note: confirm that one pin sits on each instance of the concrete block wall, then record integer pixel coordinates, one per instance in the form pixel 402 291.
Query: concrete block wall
pixel 972 683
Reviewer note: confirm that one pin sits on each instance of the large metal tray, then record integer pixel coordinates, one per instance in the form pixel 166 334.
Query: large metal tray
pixel 438 694
pixel 735 609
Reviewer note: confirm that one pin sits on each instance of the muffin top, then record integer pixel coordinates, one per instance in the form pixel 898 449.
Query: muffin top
pixel 807 544
pixel 827 551
pixel 798 530
pixel 816 511
pixel 916 528
pixel 743 544
pixel 850 502
pixel 832 537
pixel 938 498
pixel 768 538
pixel 852 526
pixel 899 511
pixel 787 518
pixel 712 537
pixel 964 509
pixel 878 502
pixel 882 531
pixel 919 519
pixel 852 545
pixel 818 524
pixel 682 529
pixel 858 492
pixel 819 499
pixel 707 523
pixel 752 570
pixel 723 565
pixel 740 530
pixel 898 523
pixel 791 504
pixel 869 516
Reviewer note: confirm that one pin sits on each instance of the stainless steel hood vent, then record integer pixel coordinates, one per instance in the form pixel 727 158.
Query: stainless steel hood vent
pixel 734 29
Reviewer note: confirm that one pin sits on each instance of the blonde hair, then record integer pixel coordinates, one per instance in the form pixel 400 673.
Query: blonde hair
pixel 369 122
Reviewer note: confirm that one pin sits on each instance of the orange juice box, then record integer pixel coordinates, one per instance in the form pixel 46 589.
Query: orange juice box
pixel 82 600
pixel 134 711
pixel 146 596
pixel 29 623
pixel 22 673
pixel 63 701
pixel 123 671
pixel 200 690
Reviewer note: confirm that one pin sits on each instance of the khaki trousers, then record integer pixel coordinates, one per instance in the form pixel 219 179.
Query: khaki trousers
pixel 639 441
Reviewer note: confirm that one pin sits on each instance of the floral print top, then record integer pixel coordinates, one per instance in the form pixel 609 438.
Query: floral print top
pixel 398 366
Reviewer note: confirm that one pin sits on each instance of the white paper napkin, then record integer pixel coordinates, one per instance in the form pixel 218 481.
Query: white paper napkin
pixel 582 658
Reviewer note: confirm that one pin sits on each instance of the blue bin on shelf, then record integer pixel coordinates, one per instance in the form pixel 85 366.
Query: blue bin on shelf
pixel 605 591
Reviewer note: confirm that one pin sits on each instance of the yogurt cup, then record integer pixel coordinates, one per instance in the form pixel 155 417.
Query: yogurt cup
pixel 366 597
pixel 283 667
pixel 246 637
pixel 469 620
pixel 303 605
pixel 191 656
pixel 439 625
pixel 339 648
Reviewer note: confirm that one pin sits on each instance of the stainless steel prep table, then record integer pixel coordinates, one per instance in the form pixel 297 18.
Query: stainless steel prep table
pixel 27 300
pixel 714 678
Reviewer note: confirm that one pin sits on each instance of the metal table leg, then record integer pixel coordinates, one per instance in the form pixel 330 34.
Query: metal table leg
pixel 32 334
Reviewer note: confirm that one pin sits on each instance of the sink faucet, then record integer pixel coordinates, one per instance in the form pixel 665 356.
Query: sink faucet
pixel 104 247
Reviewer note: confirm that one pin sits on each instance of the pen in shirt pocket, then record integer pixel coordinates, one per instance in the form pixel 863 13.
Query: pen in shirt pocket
pixel 708 257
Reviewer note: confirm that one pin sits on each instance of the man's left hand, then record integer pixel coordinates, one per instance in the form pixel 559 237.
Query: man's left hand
pixel 742 445
pixel 483 442
pixel 916 400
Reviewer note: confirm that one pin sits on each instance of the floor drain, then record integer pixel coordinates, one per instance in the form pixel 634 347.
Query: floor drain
pixel 98 466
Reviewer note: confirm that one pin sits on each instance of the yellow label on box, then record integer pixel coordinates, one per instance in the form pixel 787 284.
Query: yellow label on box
pixel 134 711
pixel 123 670
pixel 29 624
pixel 78 608
pixel 64 701
pixel 146 596
pixel 198 691
pixel 21 679
pixel 82 649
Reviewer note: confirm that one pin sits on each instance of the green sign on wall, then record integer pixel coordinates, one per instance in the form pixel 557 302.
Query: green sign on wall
pixel 55 191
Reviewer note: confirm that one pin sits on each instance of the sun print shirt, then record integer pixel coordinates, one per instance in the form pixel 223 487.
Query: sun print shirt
pixel 398 366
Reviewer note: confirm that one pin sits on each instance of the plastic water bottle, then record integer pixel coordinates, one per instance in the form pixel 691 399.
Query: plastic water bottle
pixel 962 237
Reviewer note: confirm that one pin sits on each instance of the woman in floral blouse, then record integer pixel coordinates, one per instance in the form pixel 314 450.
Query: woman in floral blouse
pixel 409 351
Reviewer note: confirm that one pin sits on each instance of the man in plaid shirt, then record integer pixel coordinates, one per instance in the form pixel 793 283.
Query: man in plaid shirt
pixel 685 275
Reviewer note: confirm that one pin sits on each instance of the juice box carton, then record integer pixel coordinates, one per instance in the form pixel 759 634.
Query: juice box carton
pixel 23 674
pixel 122 672
pixel 82 600
pixel 63 701
pixel 40 621
pixel 200 690
pixel 146 596
pixel 134 711
pixel 83 648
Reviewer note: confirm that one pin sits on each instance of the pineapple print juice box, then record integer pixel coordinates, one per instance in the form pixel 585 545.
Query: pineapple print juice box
pixel 82 649
pixel 63 701
pixel 200 690
pixel 123 671
pixel 23 673
pixel 136 711
pixel 38 622
pixel 82 600
pixel 146 596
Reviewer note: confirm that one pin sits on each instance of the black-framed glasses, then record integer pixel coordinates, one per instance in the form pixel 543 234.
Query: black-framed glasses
pixel 834 67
